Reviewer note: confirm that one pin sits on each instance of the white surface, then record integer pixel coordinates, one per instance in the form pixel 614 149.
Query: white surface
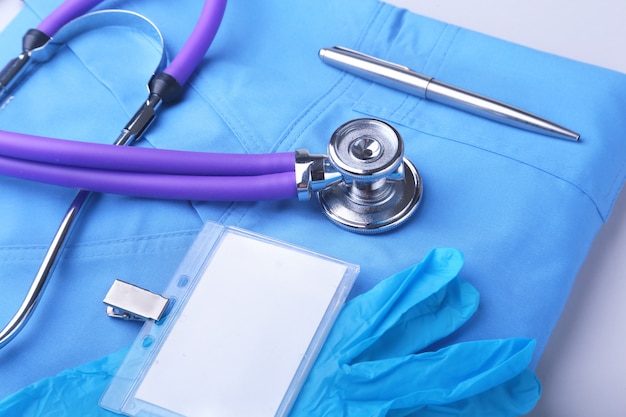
pixel 8 10
pixel 583 370
pixel 591 31
pixel 242 335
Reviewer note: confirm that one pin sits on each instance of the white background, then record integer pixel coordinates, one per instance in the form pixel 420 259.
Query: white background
pixel 583 370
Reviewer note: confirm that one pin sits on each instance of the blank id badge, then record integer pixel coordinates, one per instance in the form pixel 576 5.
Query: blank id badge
pixel 247 317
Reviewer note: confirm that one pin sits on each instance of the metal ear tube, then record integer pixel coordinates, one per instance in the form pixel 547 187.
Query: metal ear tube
pixel 364 185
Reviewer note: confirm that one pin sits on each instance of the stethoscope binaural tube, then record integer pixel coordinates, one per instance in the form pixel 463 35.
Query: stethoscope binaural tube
pixel 185 61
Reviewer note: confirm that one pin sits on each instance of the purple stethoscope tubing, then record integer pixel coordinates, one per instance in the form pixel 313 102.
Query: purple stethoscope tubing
pixel 30 148
pixel 164 173
pixel 274 186
pixel 66 12
pixel 192 52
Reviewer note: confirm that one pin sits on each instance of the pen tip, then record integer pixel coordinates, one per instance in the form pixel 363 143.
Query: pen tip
pixel 566 134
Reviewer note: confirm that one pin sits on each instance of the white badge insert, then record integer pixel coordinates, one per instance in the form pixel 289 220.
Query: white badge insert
pixel 240 342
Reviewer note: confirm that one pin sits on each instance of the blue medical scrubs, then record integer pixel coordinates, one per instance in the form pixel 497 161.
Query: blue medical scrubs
pixel 523 208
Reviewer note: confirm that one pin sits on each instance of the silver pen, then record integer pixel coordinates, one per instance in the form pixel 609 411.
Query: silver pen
pixel 404 79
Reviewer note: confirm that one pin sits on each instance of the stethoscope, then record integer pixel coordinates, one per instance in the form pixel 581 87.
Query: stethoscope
pixel 364 184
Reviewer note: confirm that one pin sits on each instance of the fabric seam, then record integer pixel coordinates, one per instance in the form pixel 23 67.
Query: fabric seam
pixel 101 244
pixel 602 216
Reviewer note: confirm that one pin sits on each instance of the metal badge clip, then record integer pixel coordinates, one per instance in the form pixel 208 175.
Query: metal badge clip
pixel 129 302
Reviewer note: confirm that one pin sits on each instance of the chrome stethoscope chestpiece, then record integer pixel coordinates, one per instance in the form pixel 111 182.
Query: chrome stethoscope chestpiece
pixel 380 189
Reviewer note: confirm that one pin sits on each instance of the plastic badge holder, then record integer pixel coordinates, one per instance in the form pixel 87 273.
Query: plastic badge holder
pixel 247 317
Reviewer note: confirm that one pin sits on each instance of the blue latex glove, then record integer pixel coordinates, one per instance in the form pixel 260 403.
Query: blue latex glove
pixel 366 367
pixel 73 392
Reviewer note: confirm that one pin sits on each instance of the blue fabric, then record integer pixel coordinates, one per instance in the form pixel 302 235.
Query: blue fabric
pixel 375 361
pixel 523 208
